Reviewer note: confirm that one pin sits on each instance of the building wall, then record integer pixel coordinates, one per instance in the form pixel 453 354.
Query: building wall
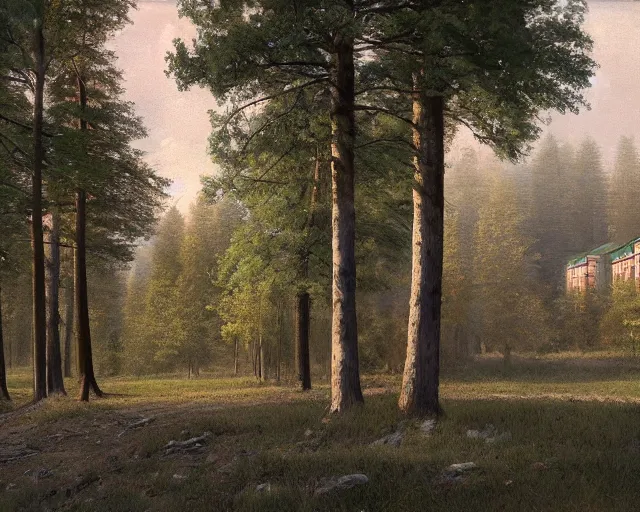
pixel 624 269
pixel 577 277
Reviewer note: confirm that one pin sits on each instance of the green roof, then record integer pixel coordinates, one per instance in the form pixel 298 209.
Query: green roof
pixel 624 251
pixel 598 251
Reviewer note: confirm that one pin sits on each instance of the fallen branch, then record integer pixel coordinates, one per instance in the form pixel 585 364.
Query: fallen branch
pixel 137 424
pixel 192 444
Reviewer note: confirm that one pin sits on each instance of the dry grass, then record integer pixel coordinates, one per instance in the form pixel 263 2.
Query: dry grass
pixel 575 445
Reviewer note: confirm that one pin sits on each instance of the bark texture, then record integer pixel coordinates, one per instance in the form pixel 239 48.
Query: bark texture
pixel 420 381
pixel 303 310
pixel 235 357
pixel 86 373
pixel 55 381
pixel 345 374
pixel 83 330
pixel 68 325
pixel 303 299
pixel 37 242
pixel 4 391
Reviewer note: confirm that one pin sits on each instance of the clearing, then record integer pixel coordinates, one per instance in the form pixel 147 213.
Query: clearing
pixel 562 435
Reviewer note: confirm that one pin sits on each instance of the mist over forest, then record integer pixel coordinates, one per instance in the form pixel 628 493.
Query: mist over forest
pixel 319 255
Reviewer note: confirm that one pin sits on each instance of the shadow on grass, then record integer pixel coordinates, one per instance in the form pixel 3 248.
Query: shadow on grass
pixel 545 371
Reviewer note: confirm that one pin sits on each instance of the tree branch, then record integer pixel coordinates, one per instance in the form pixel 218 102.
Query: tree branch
pixel 271 97
pixel 385 111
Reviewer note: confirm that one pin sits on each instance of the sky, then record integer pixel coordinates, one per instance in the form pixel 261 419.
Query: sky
pixel 178 122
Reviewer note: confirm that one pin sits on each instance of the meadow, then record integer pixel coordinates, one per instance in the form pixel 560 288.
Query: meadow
pixel 565 436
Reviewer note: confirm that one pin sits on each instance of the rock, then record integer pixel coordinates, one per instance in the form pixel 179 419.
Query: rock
pixel 490 434
pixel 263 488
pixel 462 467
pixel 488 431
pixel 394 439
pixel 43 473
pixel 308 433
pixel 427 427
pixel 179 477
pixel 341 483
pixel 455 473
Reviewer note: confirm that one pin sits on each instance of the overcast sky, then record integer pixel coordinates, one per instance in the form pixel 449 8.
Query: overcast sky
pixel 178 123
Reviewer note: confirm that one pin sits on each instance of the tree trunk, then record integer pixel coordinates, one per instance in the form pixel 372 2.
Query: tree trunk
pixel 68 326
pixel 55 381
pixel 420 381
pixel 37 242
pixel 259 348
pixel 83 329
pixel 280 336
pixel 302 339
pixel 507 356
pixel 263 375
pixel 303 300
pixel 4 391
pixel 235 358
pixel 345 373
pixel 254 357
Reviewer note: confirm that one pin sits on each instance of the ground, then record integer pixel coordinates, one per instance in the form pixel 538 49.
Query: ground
pixel 568 439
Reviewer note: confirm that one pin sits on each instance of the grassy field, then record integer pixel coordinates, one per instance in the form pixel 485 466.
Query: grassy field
pixel 571 442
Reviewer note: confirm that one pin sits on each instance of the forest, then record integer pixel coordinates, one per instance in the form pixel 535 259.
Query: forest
pixel 370 288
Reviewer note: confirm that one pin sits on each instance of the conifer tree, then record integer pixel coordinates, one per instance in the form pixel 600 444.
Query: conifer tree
pixel 623 209
pixel 461 61
pixel 137 347
pixel 512 315
pixel 278 51
pixel 590 203
pixel 161 305
pixel 207 236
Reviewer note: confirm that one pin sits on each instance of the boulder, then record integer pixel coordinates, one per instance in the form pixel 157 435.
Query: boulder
pixel 394 439
pixel 329 485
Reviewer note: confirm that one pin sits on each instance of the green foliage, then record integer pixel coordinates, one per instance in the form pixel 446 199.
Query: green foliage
pixel 496 63
pixel 161 306
pixel 513 316
pixel 582 321
pixel 551 209
pixel 622 204
pixel 206 238
pixel 620 325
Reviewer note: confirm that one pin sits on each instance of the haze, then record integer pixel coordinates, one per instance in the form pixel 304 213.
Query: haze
pixel 178 122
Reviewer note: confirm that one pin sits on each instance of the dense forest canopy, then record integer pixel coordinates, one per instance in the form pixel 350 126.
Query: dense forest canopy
pixel 335 126
pixel 319 255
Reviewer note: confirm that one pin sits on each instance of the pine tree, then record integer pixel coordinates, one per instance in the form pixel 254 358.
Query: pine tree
pixel 279 51
pixel 207 237
pixel 459 61
pixel 552 210
pixel 589 186
pixel 623 210
pixel 161 304
pixel 512 315
pixel 138 348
